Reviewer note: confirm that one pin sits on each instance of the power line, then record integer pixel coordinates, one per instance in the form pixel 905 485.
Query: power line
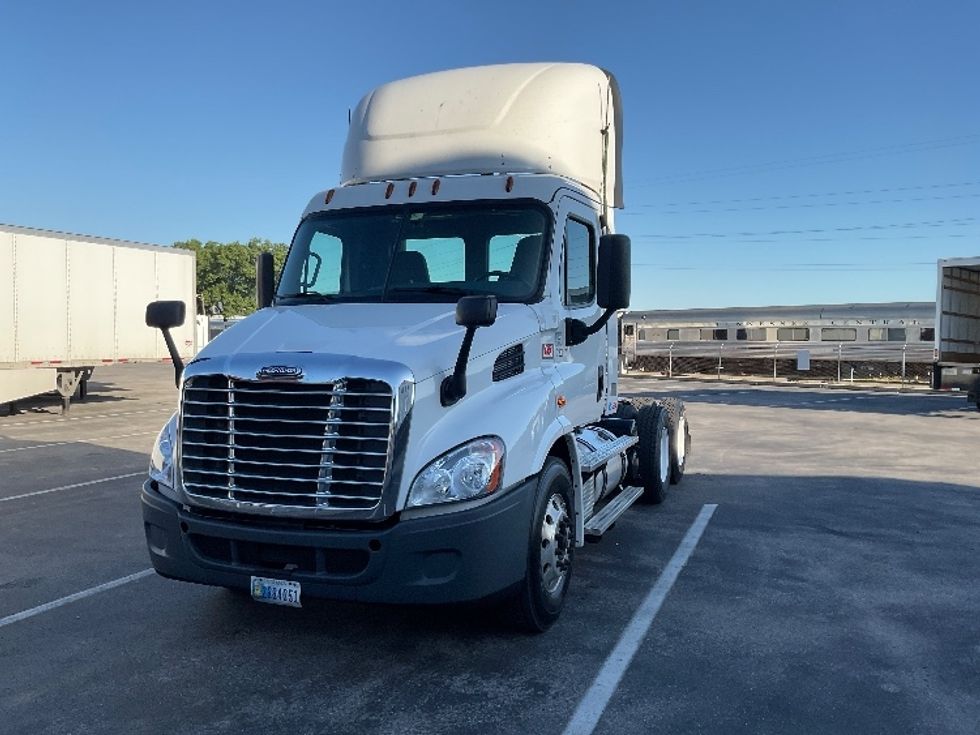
pixel 813 205
pixel 890 240
pixel 843 157
pixel 792 268
pixel 850 192
pixel 957 222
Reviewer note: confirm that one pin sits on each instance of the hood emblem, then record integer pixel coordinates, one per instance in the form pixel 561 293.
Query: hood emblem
pixel 279 372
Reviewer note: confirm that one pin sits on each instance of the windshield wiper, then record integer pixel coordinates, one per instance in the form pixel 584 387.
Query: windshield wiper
pixel 305 295
pixel 431 288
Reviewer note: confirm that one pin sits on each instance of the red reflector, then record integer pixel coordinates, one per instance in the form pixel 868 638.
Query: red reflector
pixel 412 187
pixel 389 191
pixel 510 184
pixel 328 197
pixel 435 186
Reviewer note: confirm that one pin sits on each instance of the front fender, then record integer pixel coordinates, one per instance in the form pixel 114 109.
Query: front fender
pixel 521 410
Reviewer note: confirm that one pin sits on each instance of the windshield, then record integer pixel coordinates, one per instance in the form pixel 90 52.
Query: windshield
pixel 426 253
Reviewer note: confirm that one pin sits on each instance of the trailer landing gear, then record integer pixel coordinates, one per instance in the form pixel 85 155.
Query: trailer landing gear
pixel 73 384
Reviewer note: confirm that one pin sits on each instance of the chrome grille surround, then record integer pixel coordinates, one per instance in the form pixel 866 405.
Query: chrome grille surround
pixel 329 445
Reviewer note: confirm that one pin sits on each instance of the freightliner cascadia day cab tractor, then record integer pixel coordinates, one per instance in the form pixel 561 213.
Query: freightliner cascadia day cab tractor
pixel 424 408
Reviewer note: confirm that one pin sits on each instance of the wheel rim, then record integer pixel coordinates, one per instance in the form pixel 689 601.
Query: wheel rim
pixel 681 440
pixel 664 456
pixel 555 545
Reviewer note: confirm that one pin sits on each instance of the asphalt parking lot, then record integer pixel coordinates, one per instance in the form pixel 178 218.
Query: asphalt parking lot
pixel 835 589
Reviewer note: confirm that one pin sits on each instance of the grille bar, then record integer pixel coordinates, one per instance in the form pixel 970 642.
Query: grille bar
pixel 238 404
pixel 278 449
pixel 286 443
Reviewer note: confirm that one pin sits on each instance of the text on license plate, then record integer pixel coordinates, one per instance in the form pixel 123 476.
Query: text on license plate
pixel 276 591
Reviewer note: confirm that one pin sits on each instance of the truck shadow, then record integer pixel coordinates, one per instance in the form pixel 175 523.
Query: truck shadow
pixel 933 404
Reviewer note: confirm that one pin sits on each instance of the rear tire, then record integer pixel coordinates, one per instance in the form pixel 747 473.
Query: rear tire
pixel 680 437
pixel 541 596
pixel 653 451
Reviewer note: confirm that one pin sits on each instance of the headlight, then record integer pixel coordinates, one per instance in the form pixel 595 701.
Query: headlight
pixel 162 456
pixel 473 470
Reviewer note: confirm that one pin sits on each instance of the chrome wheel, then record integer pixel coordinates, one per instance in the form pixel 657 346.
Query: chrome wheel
pixel 556 539
pixel 664 457
pixel 680 439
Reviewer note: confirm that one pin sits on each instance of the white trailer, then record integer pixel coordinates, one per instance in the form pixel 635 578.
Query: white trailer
pixel 958 325
pixel 69 303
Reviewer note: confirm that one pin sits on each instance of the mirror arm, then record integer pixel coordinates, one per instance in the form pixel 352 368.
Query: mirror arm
pixel 174 355
pixel 576 331
pixel 454 386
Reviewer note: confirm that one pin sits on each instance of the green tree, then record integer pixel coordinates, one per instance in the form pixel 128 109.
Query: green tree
pixel 226 272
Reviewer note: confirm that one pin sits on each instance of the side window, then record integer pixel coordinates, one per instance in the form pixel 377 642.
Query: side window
pixel 580 257
pixel 322 271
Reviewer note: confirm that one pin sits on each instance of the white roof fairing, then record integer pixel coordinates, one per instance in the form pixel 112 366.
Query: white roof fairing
pixel 563 119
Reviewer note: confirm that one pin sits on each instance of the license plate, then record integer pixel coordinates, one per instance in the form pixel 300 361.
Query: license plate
pixel 276 591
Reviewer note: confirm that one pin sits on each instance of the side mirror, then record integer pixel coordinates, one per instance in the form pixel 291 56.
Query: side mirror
pixel 476 311
pixel 265 280
pixel 472 312
pixel 613 277
pixel 164 315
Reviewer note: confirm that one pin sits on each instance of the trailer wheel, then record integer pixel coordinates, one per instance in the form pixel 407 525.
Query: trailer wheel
pixel 654 452
pixel 541 596
pixel 680 437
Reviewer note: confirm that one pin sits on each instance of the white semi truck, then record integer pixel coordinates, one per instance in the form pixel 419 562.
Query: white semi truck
pixel 958 326
pixel 69 303
pixel 424 409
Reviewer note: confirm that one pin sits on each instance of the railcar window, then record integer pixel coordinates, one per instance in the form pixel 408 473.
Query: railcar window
pixel 838 334
pixel 756 334
pixel 886 334
pixel 927 334
pixel 628 330
pixel 793 334
pixel 673 335
pixel 717 335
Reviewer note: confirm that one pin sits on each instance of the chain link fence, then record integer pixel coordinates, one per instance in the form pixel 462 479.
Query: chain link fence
pixel 823 362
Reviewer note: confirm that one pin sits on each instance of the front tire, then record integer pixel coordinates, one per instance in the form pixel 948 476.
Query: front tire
pixel 541 596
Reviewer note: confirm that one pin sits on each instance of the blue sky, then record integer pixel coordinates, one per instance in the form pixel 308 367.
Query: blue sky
pixel 775 152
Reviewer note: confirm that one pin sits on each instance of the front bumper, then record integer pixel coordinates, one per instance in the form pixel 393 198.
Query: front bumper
pixel 453 557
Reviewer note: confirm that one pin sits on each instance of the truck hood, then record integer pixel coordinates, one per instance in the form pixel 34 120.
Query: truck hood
pixel 424 337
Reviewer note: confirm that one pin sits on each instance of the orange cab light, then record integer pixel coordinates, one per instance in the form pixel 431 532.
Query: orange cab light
pixel 561 401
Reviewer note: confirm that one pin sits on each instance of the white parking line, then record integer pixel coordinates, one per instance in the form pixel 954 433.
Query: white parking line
pixel 29 424
pixel 70 487
pixel 594 702
pixel 16 617
pixel 76 441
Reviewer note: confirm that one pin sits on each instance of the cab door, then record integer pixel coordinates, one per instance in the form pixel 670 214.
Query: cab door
pixel 582 367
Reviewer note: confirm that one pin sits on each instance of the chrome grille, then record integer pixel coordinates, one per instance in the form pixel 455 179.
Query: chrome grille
pixel 321 445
